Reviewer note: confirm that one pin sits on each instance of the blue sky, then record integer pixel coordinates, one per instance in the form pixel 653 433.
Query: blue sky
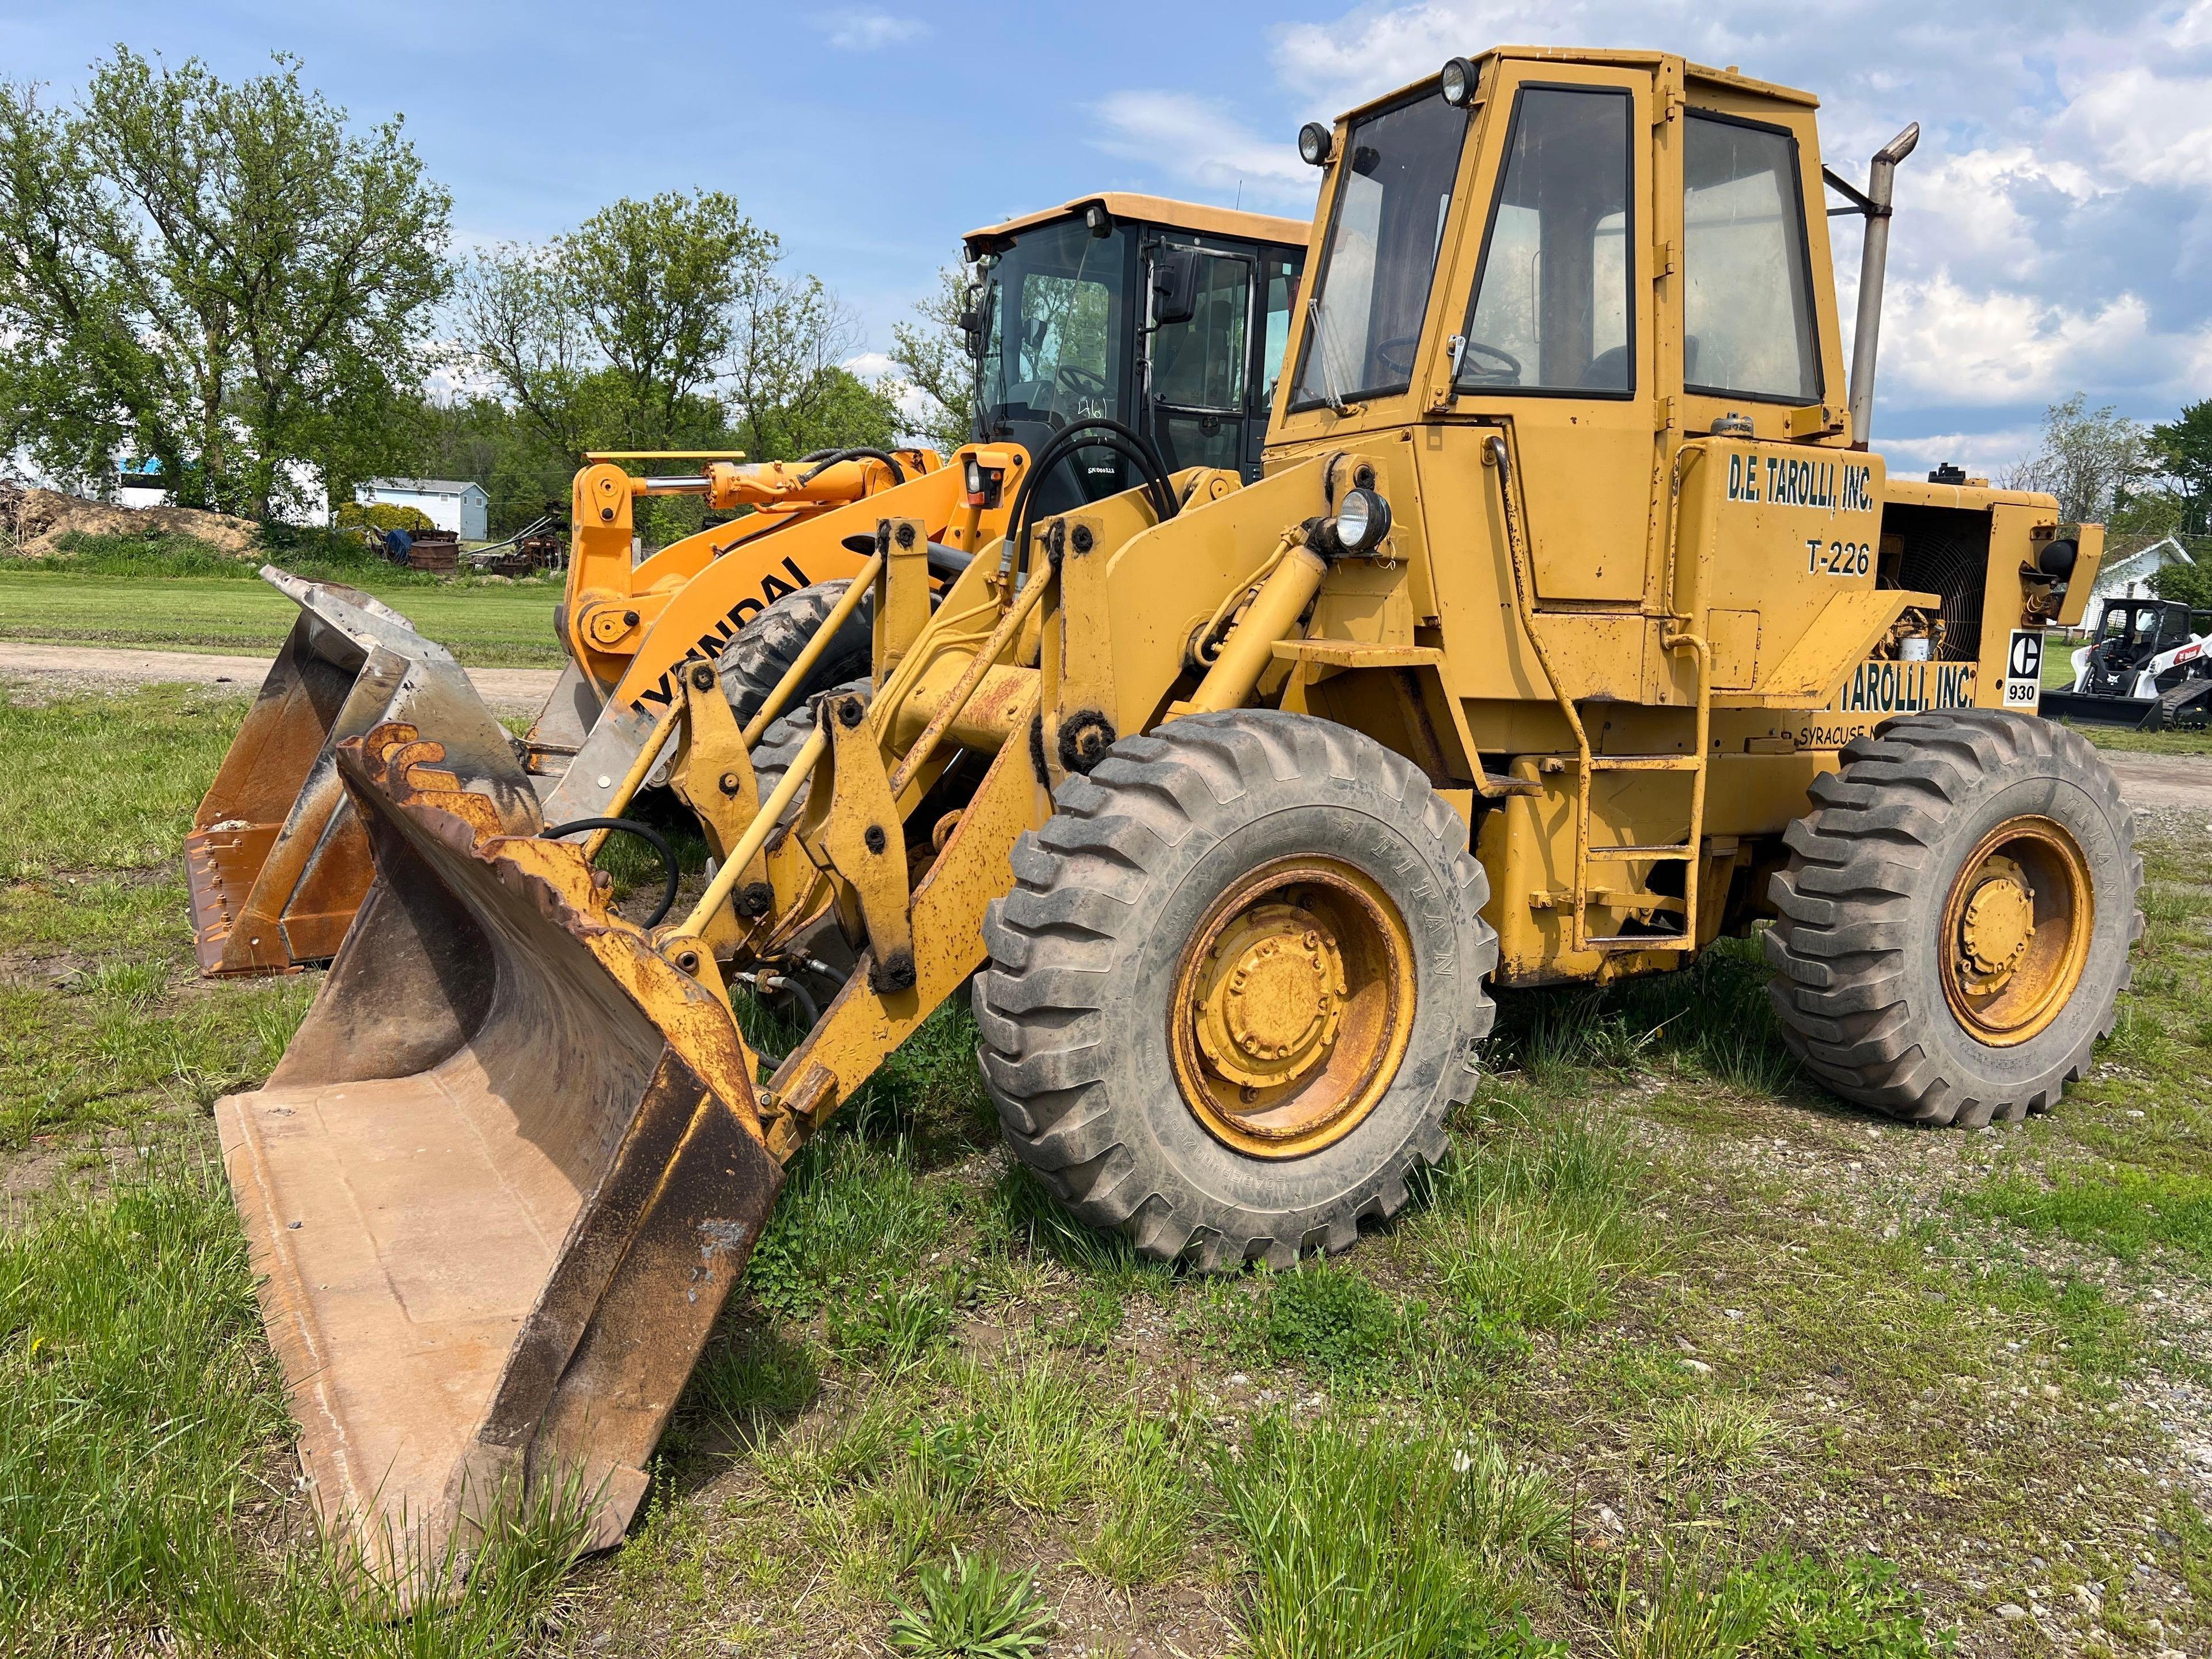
pixel 2054 231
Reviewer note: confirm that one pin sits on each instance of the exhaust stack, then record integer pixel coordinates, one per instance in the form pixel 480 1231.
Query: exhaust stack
pixel 1881 178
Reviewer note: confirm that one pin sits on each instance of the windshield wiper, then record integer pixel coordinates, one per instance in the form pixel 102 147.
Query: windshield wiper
pixel 1329 391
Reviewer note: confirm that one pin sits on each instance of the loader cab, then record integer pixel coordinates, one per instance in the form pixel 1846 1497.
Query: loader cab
pixel 1603 254
pixel 1168 318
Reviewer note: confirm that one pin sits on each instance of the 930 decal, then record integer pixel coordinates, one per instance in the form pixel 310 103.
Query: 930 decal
pixel 1825 558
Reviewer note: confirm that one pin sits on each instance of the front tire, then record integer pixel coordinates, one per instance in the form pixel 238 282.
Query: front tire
pixel 1956 917
pixel 1237 988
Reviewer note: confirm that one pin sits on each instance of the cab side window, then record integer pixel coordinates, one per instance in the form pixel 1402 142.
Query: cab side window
pixel 1748 300
pixel 1200 363
pixel 1281 279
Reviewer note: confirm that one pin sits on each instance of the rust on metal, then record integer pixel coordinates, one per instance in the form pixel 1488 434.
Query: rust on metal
pixel 498 1187
pixel 277 860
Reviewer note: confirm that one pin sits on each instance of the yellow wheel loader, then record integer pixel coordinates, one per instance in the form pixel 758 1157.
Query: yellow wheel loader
pixel 1571 625
pixel 1167 317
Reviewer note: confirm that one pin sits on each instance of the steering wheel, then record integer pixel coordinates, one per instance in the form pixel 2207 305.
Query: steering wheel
pixel 1384 348
pixel 1081 380
pixel 1508 371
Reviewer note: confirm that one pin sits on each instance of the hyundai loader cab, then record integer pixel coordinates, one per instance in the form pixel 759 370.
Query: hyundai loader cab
pixel 2145 667
pixel 1164 317
pixel 1570 626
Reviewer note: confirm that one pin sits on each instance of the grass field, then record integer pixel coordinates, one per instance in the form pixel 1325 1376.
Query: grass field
pixel 174 595
pixel 1677 1358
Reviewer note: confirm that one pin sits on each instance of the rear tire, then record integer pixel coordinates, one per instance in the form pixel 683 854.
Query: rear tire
pixel 1904 979
pixel 1157 867
pixel 753 662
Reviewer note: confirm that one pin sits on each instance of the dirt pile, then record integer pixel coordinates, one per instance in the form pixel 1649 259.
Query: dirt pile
pixel 34 521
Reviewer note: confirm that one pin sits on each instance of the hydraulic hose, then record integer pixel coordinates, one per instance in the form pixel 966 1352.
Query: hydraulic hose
pixel 644 832
pixel 1098 432
pixel 1102 433
pixel 832 456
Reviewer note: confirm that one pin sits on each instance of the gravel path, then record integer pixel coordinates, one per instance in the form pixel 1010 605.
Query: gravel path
pixel 2177 780
pixel 99 668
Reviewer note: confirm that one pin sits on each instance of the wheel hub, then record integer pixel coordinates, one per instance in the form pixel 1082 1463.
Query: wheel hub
pixel 1273 999
pixel 2016 929
pixel 1997 926
pixel 1293 1006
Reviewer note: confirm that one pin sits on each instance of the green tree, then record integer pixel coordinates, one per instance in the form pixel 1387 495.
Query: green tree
pixel 934 357
pixel 2184 449
pixel 2089 458
pixel 788 392
pixel 487 440
pixel 2190 583
pixel 669 324
pixel 222 277
pixel 2146 513
pixel 615 334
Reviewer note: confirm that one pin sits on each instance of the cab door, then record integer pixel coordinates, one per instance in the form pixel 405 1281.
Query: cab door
pixel 1199 357
pixel 1555 336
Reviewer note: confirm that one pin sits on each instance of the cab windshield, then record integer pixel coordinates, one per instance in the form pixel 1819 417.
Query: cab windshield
pixel 1055 316
pixel 1372 288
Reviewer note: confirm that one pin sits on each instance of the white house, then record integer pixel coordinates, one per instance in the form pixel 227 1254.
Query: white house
pixel 2128 577
pixel 451 504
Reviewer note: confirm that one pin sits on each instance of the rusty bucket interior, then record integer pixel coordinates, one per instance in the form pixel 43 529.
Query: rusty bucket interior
pixel 277 860
pixel 500 1185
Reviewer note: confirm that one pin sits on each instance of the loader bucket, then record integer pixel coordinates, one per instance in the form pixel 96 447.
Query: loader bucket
pixel 276 860
pixel 2088 708
pixel 498 1187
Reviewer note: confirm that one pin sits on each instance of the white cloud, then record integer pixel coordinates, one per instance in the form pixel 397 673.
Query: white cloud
pixel 877 368
pixel 1981 454
pixel 2140 127
pixel 1197 141
pixel 869 31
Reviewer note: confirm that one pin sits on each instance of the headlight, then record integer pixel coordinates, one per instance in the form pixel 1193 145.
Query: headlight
pixel 1456 83
pixel 1315 144
pixel 975 478
pixel 1363 520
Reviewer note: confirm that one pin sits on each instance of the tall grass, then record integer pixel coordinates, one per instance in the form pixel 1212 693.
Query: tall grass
pixel 317 554
pixel 1383 1545
pixel 1712 1017
pixel 1528 1227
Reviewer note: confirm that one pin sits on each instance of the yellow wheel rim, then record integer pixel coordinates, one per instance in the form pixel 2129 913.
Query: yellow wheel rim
pixel 1293 1007
pixel 2016 930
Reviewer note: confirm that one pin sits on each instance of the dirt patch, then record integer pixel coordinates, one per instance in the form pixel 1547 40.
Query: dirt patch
pixel 37 520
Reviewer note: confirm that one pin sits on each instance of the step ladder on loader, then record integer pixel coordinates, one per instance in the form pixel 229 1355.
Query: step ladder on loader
pixel 1578 899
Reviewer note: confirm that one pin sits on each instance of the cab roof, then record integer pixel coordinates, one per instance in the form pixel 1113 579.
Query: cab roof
pixel 1156 210
pixel 1692 73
